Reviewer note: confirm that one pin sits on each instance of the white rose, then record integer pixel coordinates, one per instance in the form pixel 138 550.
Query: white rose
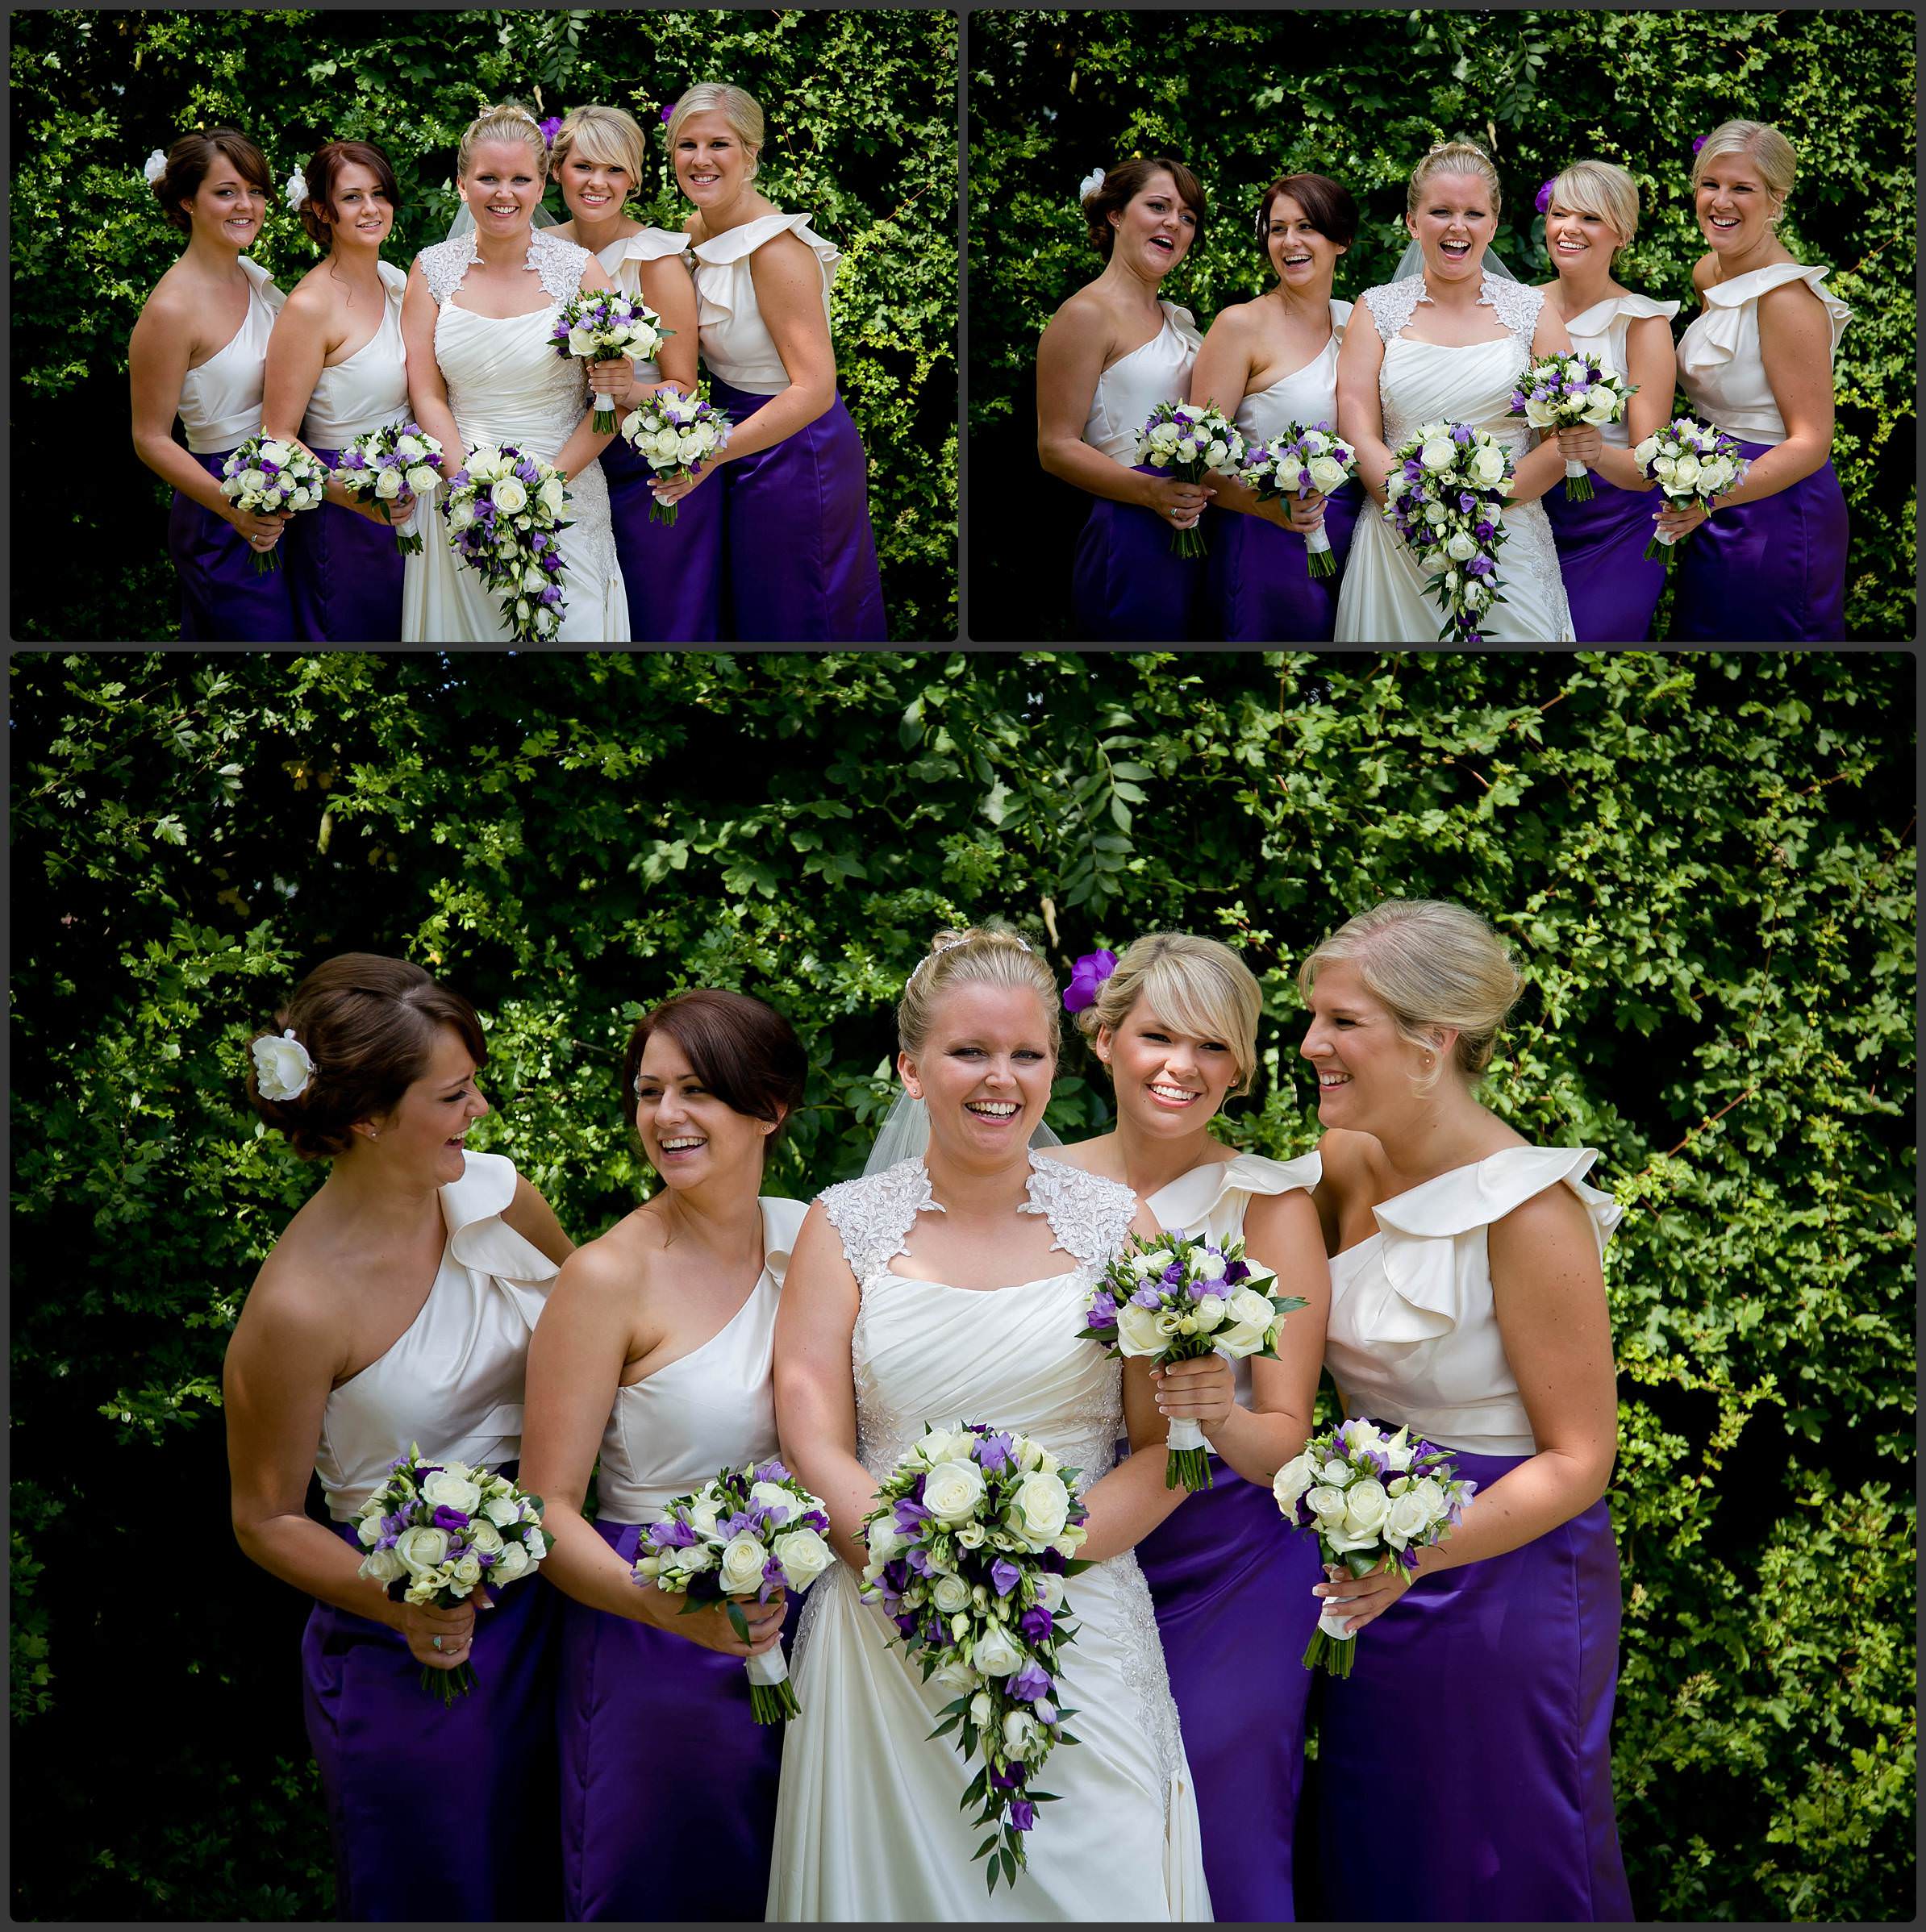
pixel 1051 1587
pixel 1686 471
pixel 1488 465
pixel 467 1571
pixel 446 1488
pixel 1138 1330
pixel 368 1529
pixel 383 1566
pixel 1020 1733
pixel 1665 466
pixel 1290 1482
pixel 422 479
pixel 1430 1494
pixel 461 514
pixel 1451 580
pixel 485 1537
pixel 1168 1321
pixel 1714 474
pixel 1216 454
pixel 982 1709
pixel 1461 547
pixel 1238 1339
pixel 952 1492
pixel 996 1653
pixel 742 1560
pixel 692 446
pixel 1042 1505
pixel 695 1559
pixel 409 449
pixel 1186 449
pixel 1476 597
pixel 883 1541
pixel 772 1496
pixel 1406 1517
pixel 510 496
pixel 281 1067
pixel 1395 484
pixel 1440 453
pixel 1328 474
pixel 1325 1501
pixel 1541 415
pixel 276 453
pixel 804 1556
pixel 1207 1313
pixel 950 1595
pixel 254 482
pixel 1164 436
pixel 1645 451
pixel 388 484
pixel 516 1561
pixel 1601 406
pixel 1366 1507
pixel 552 496
pixel 955 1676
pixel 703 1515
pixel 1436 515
pixel 1210 1268
pixel 422 1549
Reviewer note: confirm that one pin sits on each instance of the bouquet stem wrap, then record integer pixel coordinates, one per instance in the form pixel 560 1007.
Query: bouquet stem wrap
pixel 1187 1458
pixel 772 1701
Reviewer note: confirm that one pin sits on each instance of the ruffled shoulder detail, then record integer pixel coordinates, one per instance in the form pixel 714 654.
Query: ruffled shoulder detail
pixel 1181 319
pixel 781 1221
pixel 874 1215
pixel 1420 1228
pixel 652 244
pixel 1601 315
pixel 1721 321
pixel 264 284
pixel 1340 315
pixel 394 280
pixel 738 244
pixel 479 1238
pixel 1189 1200
pixel 1088 1213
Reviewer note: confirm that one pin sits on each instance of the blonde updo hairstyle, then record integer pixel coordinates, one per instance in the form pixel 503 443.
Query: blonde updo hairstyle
pixel 1763 145
pixel 1195 984
pixel 992 954
pixel 1600 188
pixel 1452 157
pixel 507 121
pixel 607 135
pixel 738 108
pixel 1432 964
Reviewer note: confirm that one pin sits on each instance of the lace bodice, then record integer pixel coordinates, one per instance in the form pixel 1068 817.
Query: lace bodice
pixel 557 264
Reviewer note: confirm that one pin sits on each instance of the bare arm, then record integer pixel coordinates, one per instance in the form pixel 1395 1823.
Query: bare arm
pixel 1654 365
pixel 669 290
pixel 1796 346
pixel 1281 1231
pixel 1360 416
pixel 1221 375
pixel 297 350
pixel 427 393
pixel 534 1220
pixel 1541 467
pixel 584 445
pixel 815 1389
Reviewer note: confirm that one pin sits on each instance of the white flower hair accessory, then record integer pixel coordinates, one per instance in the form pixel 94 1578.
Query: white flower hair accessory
pixel 296 189
pixel 154 167
pixel 1090 183
pixel 282 1068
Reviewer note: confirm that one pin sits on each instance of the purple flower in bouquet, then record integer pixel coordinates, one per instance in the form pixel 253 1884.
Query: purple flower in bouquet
pixel 1004 1575
pixel 1036 1623
pixel 1032 1682
pixel 1087 976
pixel 993 1452
pixel 1022 1813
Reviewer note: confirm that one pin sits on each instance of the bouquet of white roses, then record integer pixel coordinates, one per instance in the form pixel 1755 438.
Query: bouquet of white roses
pixel 1174 1299
pixel 974 1534
pixel 272 477
pixel 1566 392
pixel 1302 461
pixel 504 511
pixel 436 1531
pixel 384 462
pixel 1371 1498
pixel 1445 497
pixel 602 325
pixel 749 1533
pixel 1190 441
pixel 675 435
pixel 1692 462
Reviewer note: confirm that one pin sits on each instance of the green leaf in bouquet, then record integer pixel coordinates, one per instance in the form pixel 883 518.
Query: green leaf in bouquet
pixel 737 1622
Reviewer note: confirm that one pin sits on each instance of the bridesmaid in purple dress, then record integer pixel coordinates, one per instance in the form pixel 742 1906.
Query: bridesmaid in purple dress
pixel 673 572
pixel 1769 564
pixel 197 352
pixel 1176 1023
pixel 654 1353
pixel 1279 354
pixel 1591 216
pixel 340 1359
pixel 798 560
pixel 1108 357
pixel 337 369
pixel 1466 1302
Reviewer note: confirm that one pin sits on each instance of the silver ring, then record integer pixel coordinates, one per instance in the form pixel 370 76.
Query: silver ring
pixel 437 1642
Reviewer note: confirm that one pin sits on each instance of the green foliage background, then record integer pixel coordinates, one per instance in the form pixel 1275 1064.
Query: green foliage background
pixel 1243 98
pixel 93 93
pixel 1706 865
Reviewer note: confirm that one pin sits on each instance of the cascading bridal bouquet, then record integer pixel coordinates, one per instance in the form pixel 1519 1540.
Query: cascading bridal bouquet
pixel 1176 1298
pixel 435 1532
pixel 603 325
pixel 675 435
pixel 504 510
pixel 384 462
pixel 749 1533
pixel 1570 392
pixel 1692 462
pixel 1371 1498
pixel 1190 441
pixel 1445 497
pixel 272 477
pixel 973 1535
pixel 1300 460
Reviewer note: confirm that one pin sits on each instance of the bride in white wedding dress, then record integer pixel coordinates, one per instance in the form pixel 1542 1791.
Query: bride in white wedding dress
pixel 482 368
pixel 949 1288
pixel 1448 345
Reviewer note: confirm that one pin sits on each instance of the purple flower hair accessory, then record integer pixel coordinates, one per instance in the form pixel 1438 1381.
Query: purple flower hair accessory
pixel 1700 142
pixel 550 129
pixel 1086 976
pixel 1543 200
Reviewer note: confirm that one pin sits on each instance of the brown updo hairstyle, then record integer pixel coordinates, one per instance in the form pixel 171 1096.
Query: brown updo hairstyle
pixel 317 211
pixel 740 1048
pixel 1327 206
pixel 188 160
pixel 369 1024
pixel 1125 183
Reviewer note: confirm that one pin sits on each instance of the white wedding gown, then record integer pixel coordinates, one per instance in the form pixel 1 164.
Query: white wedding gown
pixel 1383 600
pixel 869 1825
pixel 506 384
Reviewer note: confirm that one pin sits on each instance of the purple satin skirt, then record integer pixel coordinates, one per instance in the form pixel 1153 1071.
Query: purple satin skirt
pixel 1126 586
pixel 672 572
pixel 799 559
pixel 1612 590
pixel 1230 1582
pixel 344 574
pixel 1488 1691
pixel 669 1783
pixel 1772 572
pixel 439 1815
pixel 1260 590
pixel 223 600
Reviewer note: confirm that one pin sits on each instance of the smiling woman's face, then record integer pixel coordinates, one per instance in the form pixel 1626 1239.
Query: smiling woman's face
pixel 1155 228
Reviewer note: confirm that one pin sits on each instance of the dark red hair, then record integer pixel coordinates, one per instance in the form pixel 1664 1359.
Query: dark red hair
pixel 317 211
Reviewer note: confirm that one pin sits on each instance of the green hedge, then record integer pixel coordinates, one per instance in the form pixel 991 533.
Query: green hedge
pixel 1706 865
pixel 94 92
pixel 1243 98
